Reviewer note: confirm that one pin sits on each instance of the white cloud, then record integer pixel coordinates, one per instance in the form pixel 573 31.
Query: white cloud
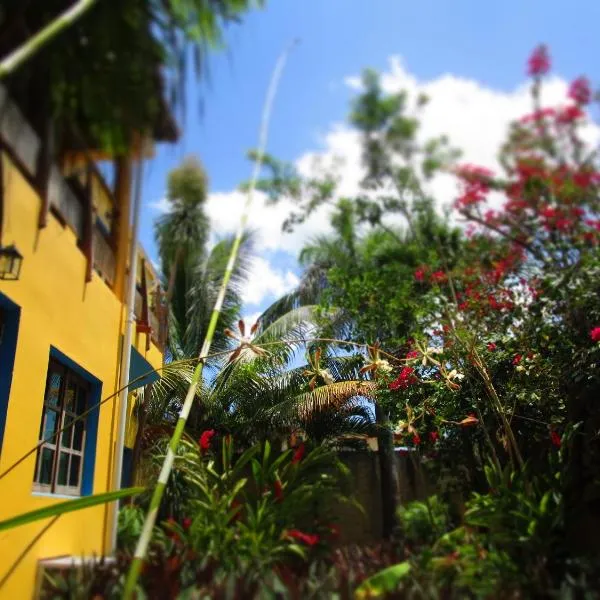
pixel 160 206
pixel 267 282
pixel 473 115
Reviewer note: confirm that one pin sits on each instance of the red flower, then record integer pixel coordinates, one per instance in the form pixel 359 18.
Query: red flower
pixel 420 274
pixel 491 346
pixel 187 523
pixel 416 439
pixel 517 359
pixel 595 334
pixel 306 538
pixel 403 380
pixel 539 62
pixel 278 490
pixel 555 439
pixel 412 354
pixel 469 420
pixel 205 438
pixel 298 454
pixel 434 436
pixel 580 91
pixel 438 277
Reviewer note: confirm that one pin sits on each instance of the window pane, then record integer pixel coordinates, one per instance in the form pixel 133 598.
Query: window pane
pixel 81 400
pixel 46 465
pixel 70 392
pixel 74 475
pixel 67 434
pixel 52 394
pixel 51 419
pixel 78 438
pixel 63 469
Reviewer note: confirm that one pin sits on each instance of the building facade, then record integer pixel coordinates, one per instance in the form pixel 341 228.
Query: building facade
pixel 61 330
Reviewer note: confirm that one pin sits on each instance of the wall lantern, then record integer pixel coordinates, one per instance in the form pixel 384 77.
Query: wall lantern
pixel 10 263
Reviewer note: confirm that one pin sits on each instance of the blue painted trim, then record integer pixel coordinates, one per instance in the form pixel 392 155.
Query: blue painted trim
pixel 8 348
pixel 139 366
pixel 91 429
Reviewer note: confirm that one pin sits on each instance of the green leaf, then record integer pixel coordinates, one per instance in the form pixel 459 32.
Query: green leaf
pixel 66 507
pixel 383 582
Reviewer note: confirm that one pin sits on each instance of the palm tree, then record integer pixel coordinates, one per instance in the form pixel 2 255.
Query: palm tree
pixel 182 233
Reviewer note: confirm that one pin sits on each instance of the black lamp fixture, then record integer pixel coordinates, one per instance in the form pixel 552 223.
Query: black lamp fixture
pixel 10 263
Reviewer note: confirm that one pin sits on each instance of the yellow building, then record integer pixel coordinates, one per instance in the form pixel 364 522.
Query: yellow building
pixel 61 331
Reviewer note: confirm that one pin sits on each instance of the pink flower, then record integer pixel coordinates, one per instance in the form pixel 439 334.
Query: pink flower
pixel 570 113
pixel 298 454
pixel 539 62
pixel 555 439
pixel 205 439
pixel 580 91
pixel 595 334
pixel 517 359
pixel 491 347
pixel 306 538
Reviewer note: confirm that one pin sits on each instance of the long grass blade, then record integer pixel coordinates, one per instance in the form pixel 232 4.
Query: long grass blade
pixel 163 478
pixel 24 52
pixel 68 506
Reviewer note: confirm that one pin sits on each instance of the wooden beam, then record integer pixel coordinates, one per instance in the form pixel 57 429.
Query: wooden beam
pixel 88 227
pixel 43 170
pixel 1 194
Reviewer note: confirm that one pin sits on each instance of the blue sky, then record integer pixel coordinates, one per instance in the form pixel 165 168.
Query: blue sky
pixel 468 53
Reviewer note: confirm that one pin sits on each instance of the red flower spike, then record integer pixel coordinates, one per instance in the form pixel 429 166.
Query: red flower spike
pixel 278 490
pixel 539 62
pixel 555 439
pixel 298 454
pixel 595 334
pixel 205 438
pixel 187 523
pixel 305 538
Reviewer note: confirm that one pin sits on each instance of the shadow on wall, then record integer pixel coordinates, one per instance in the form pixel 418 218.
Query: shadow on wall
pixel 364 465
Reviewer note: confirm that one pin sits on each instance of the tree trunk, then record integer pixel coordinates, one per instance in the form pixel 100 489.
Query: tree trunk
pixel 388 469
pixel 173 276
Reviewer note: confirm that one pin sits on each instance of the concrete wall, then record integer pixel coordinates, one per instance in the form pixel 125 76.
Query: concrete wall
pixel 357 527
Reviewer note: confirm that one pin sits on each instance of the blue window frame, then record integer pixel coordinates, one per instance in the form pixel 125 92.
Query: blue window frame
pixel 65 462
pixel 9 329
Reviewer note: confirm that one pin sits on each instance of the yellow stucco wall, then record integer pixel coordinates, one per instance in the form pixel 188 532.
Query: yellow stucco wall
pixel 83 321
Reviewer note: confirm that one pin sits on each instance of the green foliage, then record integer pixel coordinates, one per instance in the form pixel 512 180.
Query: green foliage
pixel 102 77
pixel 422 522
